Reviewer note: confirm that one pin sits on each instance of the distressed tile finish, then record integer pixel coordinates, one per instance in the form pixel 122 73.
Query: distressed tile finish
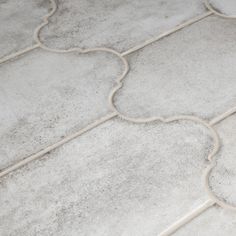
pixel 45 96
pixel 223 176
pixel 117 24
pixel 122 177
pixel 118 179
pixel 191 72
pixel 18 20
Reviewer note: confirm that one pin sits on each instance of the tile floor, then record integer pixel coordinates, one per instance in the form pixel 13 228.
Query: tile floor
pixel 118 118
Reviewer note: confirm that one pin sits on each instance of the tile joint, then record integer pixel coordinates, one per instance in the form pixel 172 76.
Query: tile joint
pixel 214 11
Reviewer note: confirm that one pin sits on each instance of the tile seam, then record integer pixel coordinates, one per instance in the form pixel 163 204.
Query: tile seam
pixel 18 53
pixel 216 120
pixel 167 33
pixel 213 198
pixel 187 218
pixel 52 147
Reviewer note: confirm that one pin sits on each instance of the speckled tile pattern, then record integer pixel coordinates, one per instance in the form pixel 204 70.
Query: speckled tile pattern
pixel 46 96
pixel 109 181
pixel 223 176
pixel 190 63
pixel 88 24
pixel 117 118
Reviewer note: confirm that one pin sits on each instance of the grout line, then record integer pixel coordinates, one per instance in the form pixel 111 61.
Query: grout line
pixel 211 194
pixel 200 209
pixel 184 220
pixel 214 134
pixel 17 54
pixel 187 218
pixel 167 33
pixel 119 81
pixel 54 7
pixel 214 11
pixel 89 127
pixel 45 21
pixel 56 145
pixel 223 116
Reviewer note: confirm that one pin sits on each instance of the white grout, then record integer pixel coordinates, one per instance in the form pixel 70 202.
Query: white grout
pixel 223 116
pixel 187 218
pixel 214 11
pixel 56 145
pixel 167 33
pixel 17 54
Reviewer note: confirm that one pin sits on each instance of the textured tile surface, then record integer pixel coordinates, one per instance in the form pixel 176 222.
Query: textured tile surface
pixel 117 24
pixel 217 221
pixel 45 96
pixel 191 72
pixel 223 176
pixel 118 179
pixel 18 19
pixel 214 221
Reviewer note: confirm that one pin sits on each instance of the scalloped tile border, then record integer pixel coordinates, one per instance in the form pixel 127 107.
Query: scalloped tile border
pixel 212 198
pixel 214 11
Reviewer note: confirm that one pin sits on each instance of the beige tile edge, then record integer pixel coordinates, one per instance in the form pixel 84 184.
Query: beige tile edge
pixel 167 33
pixel 187 218
pixel 17 54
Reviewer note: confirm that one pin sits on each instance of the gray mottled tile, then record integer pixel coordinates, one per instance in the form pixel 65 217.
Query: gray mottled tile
pixel 223 176
pixel 191 72
pixel 227 7
pixel 45 96
pixel 18 19
pixel 117 24
pixel 118 179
